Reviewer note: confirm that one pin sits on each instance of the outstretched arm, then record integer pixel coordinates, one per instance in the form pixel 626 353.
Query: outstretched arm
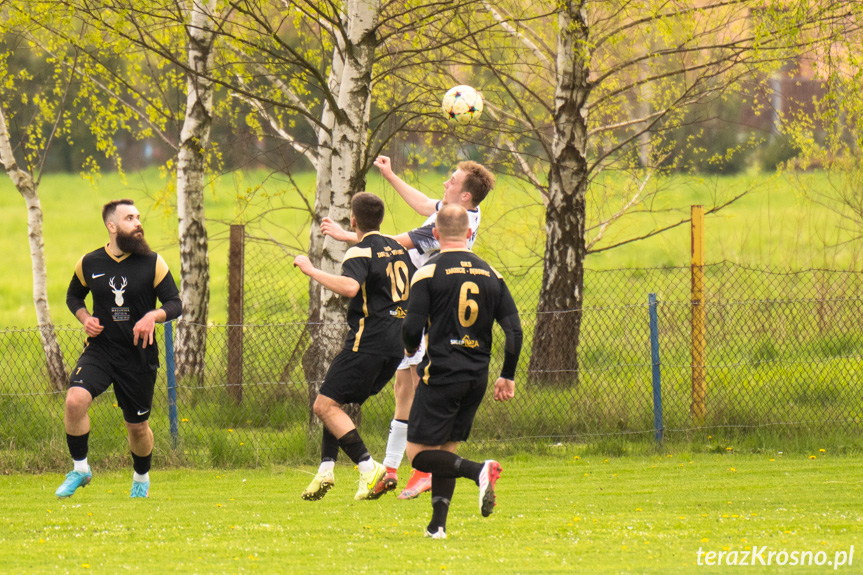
pixel 335 231
pixel 341 285
pixel 421 203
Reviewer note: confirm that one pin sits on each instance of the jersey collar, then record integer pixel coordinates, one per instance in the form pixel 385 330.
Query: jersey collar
pixel 113 257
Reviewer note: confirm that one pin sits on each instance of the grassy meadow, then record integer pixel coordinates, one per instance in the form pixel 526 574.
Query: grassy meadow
pixel 574 512
pixel 774 225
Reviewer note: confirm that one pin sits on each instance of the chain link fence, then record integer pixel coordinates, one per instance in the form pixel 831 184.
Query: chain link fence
pixel 782 351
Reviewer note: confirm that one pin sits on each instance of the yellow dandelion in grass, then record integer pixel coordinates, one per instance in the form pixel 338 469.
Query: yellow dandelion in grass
pixel 822 451
pixel 576 457
pixel 669 455
pixel 726 548
pixel 732 470
pixel 185 420
pixel 729 448
pixel 709 437
pixel 705 540
pixel 772 459
pixel 242 443
pixel 85 565
pixel 638 508
pixel 218 504
pixel 811 457
pixel 230 431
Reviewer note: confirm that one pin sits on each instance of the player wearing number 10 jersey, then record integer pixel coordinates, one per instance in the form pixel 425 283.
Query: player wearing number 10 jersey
pixel 376 275
pixel 457 297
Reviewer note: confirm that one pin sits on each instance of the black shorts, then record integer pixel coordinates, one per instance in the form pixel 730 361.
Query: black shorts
pixel 443 413
pixel 354 376
pixel 134 390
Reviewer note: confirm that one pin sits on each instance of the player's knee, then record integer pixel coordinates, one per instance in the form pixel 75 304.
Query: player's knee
pixel 77 401
pixel 138 430
pixel 323 405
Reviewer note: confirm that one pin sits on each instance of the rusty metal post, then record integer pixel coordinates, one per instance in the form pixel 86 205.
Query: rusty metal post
pixel 236 259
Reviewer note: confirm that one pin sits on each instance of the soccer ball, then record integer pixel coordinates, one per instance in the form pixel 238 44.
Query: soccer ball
pixel 462 105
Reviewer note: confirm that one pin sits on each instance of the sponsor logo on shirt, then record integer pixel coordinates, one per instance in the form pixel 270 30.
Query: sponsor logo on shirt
pixel 466 341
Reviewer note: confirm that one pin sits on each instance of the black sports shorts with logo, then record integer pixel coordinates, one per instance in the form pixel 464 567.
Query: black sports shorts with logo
pixel 133 389
pixel 445 412
pixel 354 376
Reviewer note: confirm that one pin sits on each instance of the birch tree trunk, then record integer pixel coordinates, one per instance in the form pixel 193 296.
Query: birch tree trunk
pixel 191 160
pixel 346 172
pixel 27 188
pixel 317 357
pixel 558 322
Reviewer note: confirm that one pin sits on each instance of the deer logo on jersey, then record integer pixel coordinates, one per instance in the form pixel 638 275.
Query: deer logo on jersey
pixel 118 292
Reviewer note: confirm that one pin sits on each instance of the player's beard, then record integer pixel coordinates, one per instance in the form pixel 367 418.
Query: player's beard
pixel 133 243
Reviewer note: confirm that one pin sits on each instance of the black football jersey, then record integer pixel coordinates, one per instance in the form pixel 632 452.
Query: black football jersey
pixel 458 297
pixel 383 269
pixel 124 289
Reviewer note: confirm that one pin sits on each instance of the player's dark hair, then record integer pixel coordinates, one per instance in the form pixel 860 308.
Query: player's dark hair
pixel 368 209
pixel 109 208
pixel 478 180
pixel 452 222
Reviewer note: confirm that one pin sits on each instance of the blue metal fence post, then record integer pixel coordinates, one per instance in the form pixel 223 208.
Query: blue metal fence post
pixel 657 376
pixel 172 381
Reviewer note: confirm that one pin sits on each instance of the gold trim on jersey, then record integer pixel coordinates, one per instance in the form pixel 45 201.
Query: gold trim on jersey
pixel 356 252
pixel 161 270
pixel 359 334
pixel 426 371
pixel 79 271
pixel 424 273
pixel 113 257
pixel 497 273
pixel 362 319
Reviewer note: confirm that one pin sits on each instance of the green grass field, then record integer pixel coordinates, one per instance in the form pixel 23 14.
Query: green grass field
pixel 565 514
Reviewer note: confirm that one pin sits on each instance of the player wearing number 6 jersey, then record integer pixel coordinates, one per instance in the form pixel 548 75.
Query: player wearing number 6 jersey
pixel 376 274
pixel 457 297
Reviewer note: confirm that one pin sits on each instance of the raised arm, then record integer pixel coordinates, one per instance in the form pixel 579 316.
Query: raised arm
pixel 421 203
pixel 341 285
pixel 335 231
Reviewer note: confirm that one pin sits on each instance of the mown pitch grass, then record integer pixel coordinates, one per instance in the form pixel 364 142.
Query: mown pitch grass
pixel 566 514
